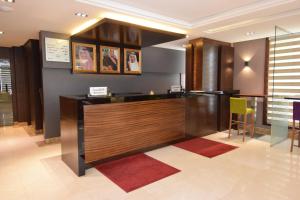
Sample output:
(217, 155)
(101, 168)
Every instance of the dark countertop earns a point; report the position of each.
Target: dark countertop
(123, 97)
(132, 97)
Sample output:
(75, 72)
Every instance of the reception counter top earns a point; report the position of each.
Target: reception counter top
(123, 97)
(98, 129)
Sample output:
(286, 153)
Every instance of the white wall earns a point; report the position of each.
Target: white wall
(249, 80)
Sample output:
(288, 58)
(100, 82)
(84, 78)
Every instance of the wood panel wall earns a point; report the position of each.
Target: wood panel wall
(32, 56)
(226, 65)
(198, 60)
(20, 79)
(117, 128)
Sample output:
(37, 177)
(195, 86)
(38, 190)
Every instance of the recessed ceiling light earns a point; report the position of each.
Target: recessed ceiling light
(250, 33)
(81, 14)
(1, 32)
(9, 1)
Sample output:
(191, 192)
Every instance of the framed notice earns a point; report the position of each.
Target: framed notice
(57, 50)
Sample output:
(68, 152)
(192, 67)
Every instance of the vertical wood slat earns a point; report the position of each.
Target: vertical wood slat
(117, 128)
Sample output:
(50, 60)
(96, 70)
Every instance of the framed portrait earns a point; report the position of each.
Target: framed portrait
(132, 61)
(109, 60)
(84, 58)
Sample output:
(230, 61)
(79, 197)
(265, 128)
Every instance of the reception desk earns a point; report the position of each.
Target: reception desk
(100, 129)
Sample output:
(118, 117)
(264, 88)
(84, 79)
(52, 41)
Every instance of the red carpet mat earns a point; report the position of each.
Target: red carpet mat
(205, 147)
(135, 171)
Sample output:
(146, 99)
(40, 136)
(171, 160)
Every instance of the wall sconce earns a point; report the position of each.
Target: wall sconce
(246, 64)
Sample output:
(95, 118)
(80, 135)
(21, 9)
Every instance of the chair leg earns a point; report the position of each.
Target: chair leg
(252, 124)
(293, 136)
(245, 126)
(238, 123)
(230, 124)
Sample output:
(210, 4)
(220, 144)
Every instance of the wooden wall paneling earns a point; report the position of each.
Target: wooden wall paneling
(198, 66)
(35, 83)
(117, 128)
(202, 115)
(226, 66)
(21, 84)
(189, 67)
(71, 135)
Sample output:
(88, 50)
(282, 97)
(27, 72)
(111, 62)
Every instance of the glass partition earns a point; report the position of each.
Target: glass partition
(6, 113)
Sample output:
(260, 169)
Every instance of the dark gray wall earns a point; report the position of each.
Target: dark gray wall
(161, 68)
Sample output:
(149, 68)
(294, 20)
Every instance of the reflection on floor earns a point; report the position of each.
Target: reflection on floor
(253, 171)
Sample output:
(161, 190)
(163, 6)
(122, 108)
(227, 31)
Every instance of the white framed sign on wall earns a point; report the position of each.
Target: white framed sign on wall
(57, 50)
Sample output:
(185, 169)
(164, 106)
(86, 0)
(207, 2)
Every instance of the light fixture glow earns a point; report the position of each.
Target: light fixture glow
(9, 1)
(142, 22)
(84, 26)
(1, 32)
(250, 33)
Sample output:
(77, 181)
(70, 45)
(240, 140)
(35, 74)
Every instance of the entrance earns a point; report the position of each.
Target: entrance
(6, 112)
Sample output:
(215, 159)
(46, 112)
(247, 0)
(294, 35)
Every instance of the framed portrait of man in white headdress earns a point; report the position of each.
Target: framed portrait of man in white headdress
(132, 61)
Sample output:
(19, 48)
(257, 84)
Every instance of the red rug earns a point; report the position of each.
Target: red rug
(205, 147)
(135, 171)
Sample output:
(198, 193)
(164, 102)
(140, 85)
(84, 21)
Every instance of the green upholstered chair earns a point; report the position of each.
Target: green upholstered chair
(238, 106)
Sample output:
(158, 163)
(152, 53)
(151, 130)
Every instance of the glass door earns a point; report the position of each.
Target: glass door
(6, 112)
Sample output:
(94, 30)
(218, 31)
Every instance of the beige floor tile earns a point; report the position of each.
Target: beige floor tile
(253, 171)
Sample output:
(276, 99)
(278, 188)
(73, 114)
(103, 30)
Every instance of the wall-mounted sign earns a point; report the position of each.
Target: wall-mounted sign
(57, 50)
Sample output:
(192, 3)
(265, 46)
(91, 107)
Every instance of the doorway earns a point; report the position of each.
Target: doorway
(6, 111)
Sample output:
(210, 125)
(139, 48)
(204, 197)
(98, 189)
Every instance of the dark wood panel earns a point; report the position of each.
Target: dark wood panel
(123, 33)
(189, 56)
(71, 137)
(226, 65)
(113, 129)
(35, 83)
(202, 115)
(198, 66)
(224, 112)
(205, 64)
(20, 80)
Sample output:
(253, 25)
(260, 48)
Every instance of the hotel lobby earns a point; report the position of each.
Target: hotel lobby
(127, 99)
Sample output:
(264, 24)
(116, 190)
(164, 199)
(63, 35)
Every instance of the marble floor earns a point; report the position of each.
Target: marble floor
(253, 171)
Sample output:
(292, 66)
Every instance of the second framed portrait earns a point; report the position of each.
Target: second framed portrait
(109, 60)
(132, 61)
(84, 58)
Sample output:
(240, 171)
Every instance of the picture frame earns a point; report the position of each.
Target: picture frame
(84, 58)
(132, 61)
(110, 60)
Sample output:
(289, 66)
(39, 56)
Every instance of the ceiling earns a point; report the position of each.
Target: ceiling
(226, 20)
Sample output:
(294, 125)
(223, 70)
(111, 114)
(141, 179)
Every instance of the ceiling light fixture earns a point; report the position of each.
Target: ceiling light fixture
(81, 14)
(9, 1)
(1, 32)
(250, 33)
